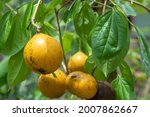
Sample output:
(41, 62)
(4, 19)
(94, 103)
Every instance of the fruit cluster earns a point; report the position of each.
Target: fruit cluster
(43, 54)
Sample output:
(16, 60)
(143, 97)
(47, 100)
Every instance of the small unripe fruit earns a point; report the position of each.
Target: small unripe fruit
(77, 62)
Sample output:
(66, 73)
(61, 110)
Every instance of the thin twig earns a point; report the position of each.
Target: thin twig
(65, 5)
(104, 7)
(64, 66)
(34, 15)
(139, 4)
(9, 7)
(102, 4)
(61, 42)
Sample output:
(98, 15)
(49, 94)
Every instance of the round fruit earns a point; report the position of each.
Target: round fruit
(52, 86)
(105, 92)
(81, 84)
(77, 61)
(43, 54)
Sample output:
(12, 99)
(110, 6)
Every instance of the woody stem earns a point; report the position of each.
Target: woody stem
(60, 38)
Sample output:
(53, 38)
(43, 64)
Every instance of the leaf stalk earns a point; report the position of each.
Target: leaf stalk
(34, 15)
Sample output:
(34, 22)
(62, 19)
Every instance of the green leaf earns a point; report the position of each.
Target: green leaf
(123, 90)
(5, 24)
(52, 5)
(27, 16)
(89, 67)
(17, 70)
(15, 41)
(74, 45)
(4, 70)
(89, 64)
(40, 16)
(111, 64)
(128, 10)
(72, 11)
(67, 41)
(124, 83)
(110, 40)
(144, 50)
(4, 66)
(84, 21)
(127, 74)
(84, 46)
(47, 28)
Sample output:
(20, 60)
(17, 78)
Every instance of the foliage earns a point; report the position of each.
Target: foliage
(101, 33)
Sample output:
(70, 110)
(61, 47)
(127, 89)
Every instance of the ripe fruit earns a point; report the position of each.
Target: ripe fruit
(81, 84)
(51, 86)
(43, 54)
(105, 92)
(77, 61)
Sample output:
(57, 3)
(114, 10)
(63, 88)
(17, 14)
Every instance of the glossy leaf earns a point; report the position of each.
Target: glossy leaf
(89, 64)
(52, 5)
(27, 16)
(72, 11)
(145, 53)
(108, 66)
(124, 83)
(5, 24)
(84, 21)
(15, 41)
(40, 16)
(17, 70)
(67, 41)
(128, 10)
(47, 28)
(3, 70)
(89, 67)
(127, 74)
(123, 90)
(110, 40)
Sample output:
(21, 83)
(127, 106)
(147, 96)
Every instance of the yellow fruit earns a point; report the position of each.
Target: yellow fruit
(77, 61)
(51, 86)
(43, 54)
(81, 84)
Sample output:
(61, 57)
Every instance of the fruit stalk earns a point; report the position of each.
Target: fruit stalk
(61, 42)
(34, 15)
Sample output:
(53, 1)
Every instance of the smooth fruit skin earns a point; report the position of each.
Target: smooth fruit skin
(81, 84)
(51, 86)
(77, 61)
(43, 54)
(105, 91)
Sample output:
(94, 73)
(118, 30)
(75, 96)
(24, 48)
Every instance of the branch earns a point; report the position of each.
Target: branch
(139, 4)
(34, 15)
(104, 7)
(102, 4)
(60, 38)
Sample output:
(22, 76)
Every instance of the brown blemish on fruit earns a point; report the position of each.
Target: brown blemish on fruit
(74, 76)
(32, 60)
(42, 71)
